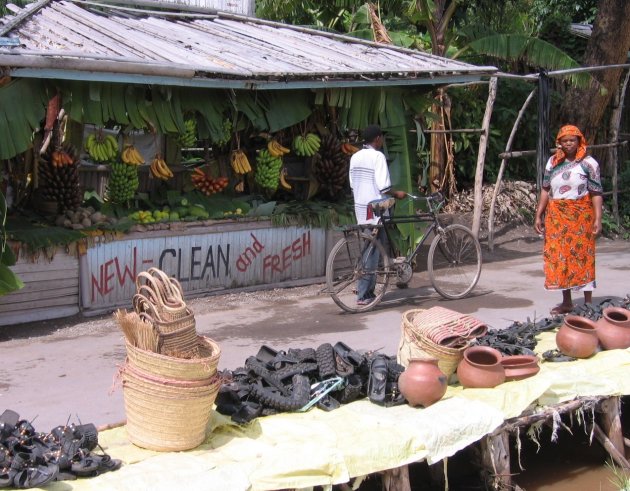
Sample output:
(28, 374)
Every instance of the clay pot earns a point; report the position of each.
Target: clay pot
(613, 328)
(577, 337)
(422, 383)
(481, 367)
(518, 367)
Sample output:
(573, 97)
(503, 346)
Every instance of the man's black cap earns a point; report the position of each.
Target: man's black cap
(370, 133)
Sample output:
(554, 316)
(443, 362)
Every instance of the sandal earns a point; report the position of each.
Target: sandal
(561, 309)
(377, 381)
(94, 464)
(35, 476)
(8, 423)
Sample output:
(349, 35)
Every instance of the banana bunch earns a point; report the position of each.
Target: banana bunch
(159, 169)
(206, 184)
(131, 156)
(283, 181)
(349, 148)
(60, 157)
(239, 162)
(101, 147)
(330, 167)
(240, 187)
(307, 145)
(267, 174)
(189, 137)
(59, 182)
(226, 135)
(123, 182)
(276, 149)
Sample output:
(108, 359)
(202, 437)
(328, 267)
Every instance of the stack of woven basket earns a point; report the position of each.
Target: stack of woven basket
(170, 379)
(438, 333)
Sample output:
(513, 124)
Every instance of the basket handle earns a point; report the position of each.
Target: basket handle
(171, 286)
(161, 298)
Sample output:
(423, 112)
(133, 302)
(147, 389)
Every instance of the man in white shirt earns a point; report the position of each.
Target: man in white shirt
(370, 181)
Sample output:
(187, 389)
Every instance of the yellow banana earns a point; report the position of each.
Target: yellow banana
(244, 162)
(283, 181)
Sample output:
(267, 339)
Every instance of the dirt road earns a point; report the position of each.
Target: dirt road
(67, 370)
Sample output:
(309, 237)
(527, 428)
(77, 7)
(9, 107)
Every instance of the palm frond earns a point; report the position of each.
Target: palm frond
(531, 50)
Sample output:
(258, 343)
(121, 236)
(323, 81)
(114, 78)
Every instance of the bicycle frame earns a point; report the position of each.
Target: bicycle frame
(387, 223)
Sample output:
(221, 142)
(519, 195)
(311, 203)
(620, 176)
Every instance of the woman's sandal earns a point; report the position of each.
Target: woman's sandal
(561, 309)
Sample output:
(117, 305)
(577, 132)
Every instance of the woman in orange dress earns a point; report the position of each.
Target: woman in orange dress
(571, 204)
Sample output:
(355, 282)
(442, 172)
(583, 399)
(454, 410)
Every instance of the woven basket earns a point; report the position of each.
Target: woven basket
(167, 415)
(448, 327)
(200, 368)
(415, 343)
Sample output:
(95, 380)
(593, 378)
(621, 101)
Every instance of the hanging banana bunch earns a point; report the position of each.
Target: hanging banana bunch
(306, 145)
(131, 156)
(188, 139)
(268, 170)
(239, 162)
(59, 173)
(123, 182)
(101, 147)
(159, 168)
(276, 149)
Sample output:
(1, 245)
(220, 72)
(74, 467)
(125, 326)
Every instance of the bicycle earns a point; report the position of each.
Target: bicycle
(453, 261)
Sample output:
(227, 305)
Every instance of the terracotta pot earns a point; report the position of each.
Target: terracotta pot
(518, 367)
(613, 328)
(422, 383)
(577, 337)
(481, 368)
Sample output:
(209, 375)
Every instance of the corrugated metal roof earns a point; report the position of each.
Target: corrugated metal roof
(99, 41)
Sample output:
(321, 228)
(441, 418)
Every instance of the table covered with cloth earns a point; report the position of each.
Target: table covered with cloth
(301, 450)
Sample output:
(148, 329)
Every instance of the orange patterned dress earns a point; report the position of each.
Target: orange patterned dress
(569, 248)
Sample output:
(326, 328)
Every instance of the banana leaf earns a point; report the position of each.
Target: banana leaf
(22, 107)
(286, 108)
(210, 107)
(117, 95)
(9, 281)
(254, 106)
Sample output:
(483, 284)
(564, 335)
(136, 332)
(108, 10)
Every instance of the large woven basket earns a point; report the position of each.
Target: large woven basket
(199, 368)
(448, 327)
(414, 343)
(167, 415)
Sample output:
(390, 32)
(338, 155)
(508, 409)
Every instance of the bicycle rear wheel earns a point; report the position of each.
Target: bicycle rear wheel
(454, 262)
(346, 265)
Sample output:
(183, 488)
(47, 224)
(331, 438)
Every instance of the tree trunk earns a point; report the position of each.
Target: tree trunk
(608, 45)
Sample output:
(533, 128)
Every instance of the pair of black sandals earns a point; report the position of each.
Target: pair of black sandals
(30, 459)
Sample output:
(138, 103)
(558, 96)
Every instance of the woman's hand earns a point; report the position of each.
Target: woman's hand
(597, 228)
(399, 194)
(539, 225)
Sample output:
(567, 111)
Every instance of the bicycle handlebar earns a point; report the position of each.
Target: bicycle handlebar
(436, 197)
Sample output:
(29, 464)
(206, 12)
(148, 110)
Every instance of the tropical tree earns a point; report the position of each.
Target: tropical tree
(608, 45)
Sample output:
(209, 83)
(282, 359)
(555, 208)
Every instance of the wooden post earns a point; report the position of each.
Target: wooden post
(436, 473)
(495, 456)
(611, 422)
(396, 479)
(481, 157)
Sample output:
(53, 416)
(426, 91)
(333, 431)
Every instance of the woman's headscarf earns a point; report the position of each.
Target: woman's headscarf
(569, 130)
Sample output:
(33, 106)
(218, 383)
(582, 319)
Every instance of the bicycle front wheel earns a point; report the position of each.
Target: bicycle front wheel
(454, 262)
(348, 263)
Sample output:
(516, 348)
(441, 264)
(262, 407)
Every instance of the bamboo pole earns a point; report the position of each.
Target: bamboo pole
(527, 153)
(497, 186)
(481, 157)
(610, 419)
